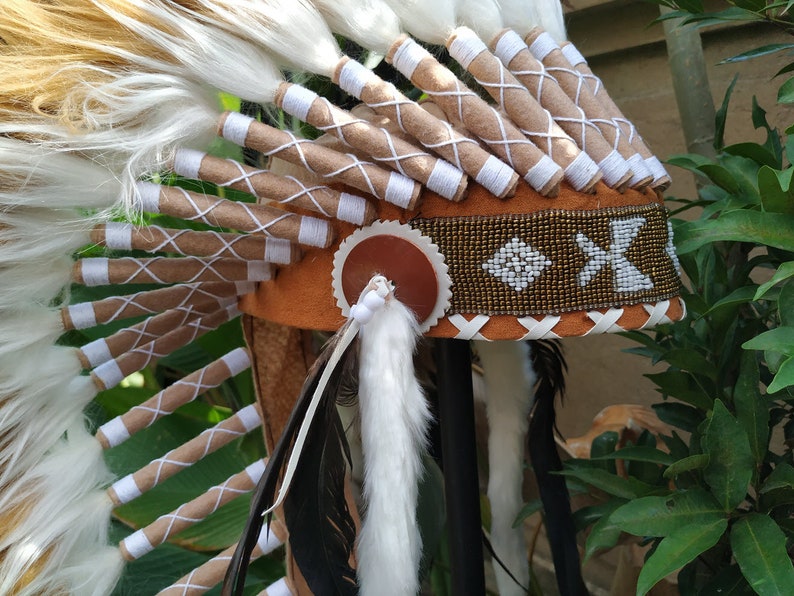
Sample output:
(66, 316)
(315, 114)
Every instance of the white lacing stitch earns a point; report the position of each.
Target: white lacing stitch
(245, 175)
(540, 329)
(657, 314)
(605, 322)
(306, 191)
(469, 329)
(93, 270)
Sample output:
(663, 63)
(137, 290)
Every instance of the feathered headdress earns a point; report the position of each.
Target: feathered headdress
(533, 214)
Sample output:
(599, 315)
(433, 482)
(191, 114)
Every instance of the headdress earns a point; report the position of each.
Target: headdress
(521, 206)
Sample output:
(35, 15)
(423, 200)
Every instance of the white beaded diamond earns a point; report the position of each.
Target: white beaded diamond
(517, 264)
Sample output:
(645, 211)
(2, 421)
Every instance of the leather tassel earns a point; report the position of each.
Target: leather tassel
(549, 364)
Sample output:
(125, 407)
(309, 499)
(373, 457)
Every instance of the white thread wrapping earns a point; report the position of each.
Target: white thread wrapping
(249, 418)
(82, 315)
(573, 55)
(278, 250)
(126, 490)
(268, 541)
(96, 352)
(118, 235)
(581, 171)
(656, 167)
(508, 46)
(109, 373)
(298, 101)
(466, 46)
(259, 270)
(114, 431)
(351, 208)
(237, 361)
(614, 167)
(543, 45)
(279, 588)
(408, 56)
(313, 232)
(150, 196)
(543, 171)
(353, 77)
(137, 544)
(495, 175)
(399, 190)
(235, 127)
(255, 470)
(244, 287)
(638, 167)
(187, 162)
(444, 179)
(95, 271)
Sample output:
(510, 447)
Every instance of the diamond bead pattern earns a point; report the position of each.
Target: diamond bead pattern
(517, 264)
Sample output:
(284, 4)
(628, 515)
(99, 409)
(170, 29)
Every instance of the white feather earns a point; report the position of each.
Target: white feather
(432, 22)
(482, 16)
(394, 418)
(370, 23)
(509, 382)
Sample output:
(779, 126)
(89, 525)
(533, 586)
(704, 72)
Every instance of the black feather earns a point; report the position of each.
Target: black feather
(340, 540)
(549, 364)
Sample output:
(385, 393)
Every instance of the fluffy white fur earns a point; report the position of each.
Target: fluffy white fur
(370, 23)
(482, 16)
(509, 382)
(394, 417)
(292, 29)
(430, 21)
(67, 519)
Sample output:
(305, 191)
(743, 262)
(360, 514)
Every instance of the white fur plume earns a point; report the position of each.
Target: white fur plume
(370, 23)
(482, 16)
(509, 382)
(432, 22)
(394, 418)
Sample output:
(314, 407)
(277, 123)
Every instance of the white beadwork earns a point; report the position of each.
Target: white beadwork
(627, 278)
(670, 248)
(516, 264)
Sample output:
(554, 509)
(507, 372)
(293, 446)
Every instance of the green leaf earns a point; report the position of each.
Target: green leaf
(688, 161)
(720, 176)
(759, 546)
(678, 549)
(639, 453)
(771, 229)
(721, 116)
(625, 488)
(785, 94)
(785, 304)
(682, 385)
(757, 52)
(692, 361)
(739, 296)
(604, 444)
(528, 510)
(781, 477)
(784, 376)
(780, 340)
(662, 516)
(776, 195)
(785, 271)
(679, 415)
(603, 535)
(730, 466)
(688, 464)
(751, 410)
